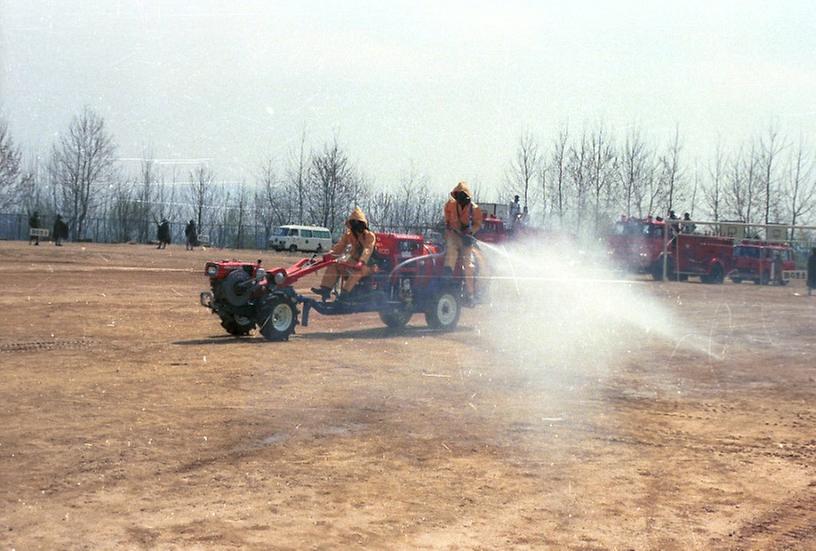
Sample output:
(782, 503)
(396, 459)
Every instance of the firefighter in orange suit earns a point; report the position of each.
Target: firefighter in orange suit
(463, 218)
(362, 242)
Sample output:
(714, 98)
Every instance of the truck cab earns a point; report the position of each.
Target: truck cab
(754, 261)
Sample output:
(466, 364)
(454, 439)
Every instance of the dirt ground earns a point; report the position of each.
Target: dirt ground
(129, 420)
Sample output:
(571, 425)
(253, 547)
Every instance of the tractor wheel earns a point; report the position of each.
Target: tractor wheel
(443, 313)
(234, 288)
(233, 327)
(396, 318)
(278, 318)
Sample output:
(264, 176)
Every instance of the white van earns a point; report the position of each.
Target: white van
(300, 238)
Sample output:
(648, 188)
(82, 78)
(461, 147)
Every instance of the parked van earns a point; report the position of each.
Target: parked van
(300, 238)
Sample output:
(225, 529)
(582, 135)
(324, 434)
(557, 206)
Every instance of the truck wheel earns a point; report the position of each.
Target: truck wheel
(396, 318)
(292, 248)
(736, 279)
(235, 328)
(278, 318)
(443, 313)
(657, 270)
(716, 276)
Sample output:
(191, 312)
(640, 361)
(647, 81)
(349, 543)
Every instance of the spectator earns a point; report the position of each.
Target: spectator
(34, 224)
(688, 226)
(60, 231)
(192, 236)
(777, 269)
(673, 221)
(163, 234)
(811, 271)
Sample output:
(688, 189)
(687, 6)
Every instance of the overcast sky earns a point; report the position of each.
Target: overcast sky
(445, 87)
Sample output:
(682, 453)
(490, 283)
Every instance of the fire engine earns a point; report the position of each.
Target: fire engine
(638, 246)
(754, 261)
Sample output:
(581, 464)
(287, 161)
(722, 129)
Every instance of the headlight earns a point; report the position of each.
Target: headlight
(279, 278)
(211, 270)
(260, 273)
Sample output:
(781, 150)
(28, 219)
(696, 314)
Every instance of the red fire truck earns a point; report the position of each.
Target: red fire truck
(754, 261)
(638, 246)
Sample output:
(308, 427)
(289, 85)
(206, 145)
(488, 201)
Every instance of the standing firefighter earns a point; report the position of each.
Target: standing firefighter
(811, 271)
(362, 242)
(463, 218)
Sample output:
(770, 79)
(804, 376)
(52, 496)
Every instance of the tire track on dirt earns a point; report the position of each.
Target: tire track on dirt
(789, 525)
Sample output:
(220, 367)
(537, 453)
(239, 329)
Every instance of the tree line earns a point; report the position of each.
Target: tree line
(576, 182)
(581, 181)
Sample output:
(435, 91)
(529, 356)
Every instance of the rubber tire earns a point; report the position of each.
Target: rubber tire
(717, 275)
(293, 248)
(432, 314)
(319, 248)
(270, 328)
(657, 270)
(736, 280)
(235, 328)
(396, 318)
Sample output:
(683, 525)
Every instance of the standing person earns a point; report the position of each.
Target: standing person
(192, 236)
(673, 221)
(811, 271)
(688, 226)
(34, 224)
(463, 218)
(515, 211)
(362, 242)
(777, 269)
(163, 234)
(60, 231)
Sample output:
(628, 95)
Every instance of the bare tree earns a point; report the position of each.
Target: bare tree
(10, 158)
(579, 174)
(716, 174)
(201, 192)
(771, 145)
(636, 170)
(331, 183)
(800, 186)
(297, 176)
(559, 168)
(740, 194)
(241, 203)
(83, 158)
(671, 174)
(124, 207)
(524, 167)
(143, 212)
(602, 168)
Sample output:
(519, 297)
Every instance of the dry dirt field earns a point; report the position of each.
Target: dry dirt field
(129, 420)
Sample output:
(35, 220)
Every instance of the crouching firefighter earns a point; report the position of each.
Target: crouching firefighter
(463, 218)
(362, 242)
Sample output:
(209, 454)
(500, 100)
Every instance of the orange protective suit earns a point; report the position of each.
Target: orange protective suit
(461, 221)
(362, 247)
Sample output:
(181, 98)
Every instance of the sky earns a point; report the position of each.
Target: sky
(443, 89)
